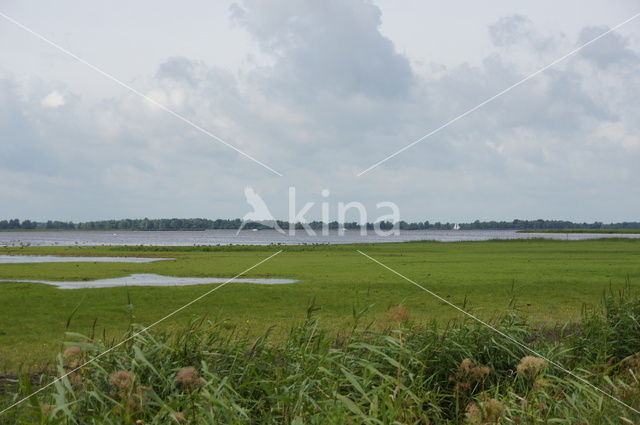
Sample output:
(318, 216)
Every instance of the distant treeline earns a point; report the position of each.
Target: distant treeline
(207, 224)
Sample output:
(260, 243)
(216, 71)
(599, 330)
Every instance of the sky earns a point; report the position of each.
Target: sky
(319, 91)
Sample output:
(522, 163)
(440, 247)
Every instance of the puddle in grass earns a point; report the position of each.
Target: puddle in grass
(152, 280)
(20, 259)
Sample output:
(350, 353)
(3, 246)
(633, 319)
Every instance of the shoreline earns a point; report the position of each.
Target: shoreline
(586, 231)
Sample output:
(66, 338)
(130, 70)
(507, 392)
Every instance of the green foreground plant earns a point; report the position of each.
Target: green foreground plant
(403, 373)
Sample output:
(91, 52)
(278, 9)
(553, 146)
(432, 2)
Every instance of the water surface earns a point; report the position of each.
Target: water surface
(152, 280)
(18, 259)
(268, 237)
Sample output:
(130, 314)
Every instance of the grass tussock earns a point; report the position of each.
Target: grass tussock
(404, 373)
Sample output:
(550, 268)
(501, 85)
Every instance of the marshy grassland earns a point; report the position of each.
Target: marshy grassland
(349, 343)
(549, 281)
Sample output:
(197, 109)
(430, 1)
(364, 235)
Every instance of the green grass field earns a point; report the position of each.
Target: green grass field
(548, 280)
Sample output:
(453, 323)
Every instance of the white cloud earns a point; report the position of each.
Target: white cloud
(53, 100)
(616, 134)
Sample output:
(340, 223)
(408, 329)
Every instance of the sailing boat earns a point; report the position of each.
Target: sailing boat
(456, 226)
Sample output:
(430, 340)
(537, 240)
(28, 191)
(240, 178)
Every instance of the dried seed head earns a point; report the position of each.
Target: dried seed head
(180, 417)
(479, 373)
(188, 377)
(121, 379)
(137, 398)
(465, 365)
(471, 372)
(474, 414)
(72, 352)
(493, 410)
(486, 412)
(72, 376)
(633, 364)
(540, 383)
(531, 366)
(398, 314)
(47, 408)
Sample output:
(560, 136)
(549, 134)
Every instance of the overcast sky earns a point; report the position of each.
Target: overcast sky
(319, 91)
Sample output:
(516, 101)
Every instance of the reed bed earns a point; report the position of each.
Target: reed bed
(399, 373)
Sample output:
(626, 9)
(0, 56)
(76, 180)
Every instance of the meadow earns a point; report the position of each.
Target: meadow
(548, 281)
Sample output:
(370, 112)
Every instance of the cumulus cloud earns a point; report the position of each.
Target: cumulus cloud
(612, 49)
(330, 46)
(510, 30)
(334, 97)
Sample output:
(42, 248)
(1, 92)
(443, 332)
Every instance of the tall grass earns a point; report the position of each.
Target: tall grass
(402, 373)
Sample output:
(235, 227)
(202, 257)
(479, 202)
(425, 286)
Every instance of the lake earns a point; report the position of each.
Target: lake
(267, 237)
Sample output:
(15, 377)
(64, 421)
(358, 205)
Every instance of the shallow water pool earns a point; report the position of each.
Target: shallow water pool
(152, 280)
(20, 259)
